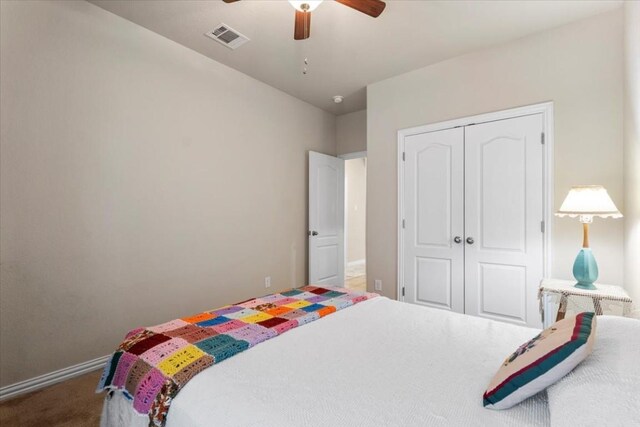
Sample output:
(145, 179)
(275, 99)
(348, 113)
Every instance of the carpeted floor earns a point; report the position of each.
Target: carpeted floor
(71, 403)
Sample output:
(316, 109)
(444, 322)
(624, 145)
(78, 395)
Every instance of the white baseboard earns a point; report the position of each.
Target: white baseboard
(45, 380)
(356, 262)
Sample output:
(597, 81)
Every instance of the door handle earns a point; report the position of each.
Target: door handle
(313, 233)
(470, 240)
(457, 239)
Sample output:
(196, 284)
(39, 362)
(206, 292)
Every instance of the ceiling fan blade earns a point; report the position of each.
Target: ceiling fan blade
(370, 7)
(302, 27)
(230, 1)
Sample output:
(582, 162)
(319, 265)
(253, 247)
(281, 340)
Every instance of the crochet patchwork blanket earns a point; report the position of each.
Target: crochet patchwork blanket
(152, 364)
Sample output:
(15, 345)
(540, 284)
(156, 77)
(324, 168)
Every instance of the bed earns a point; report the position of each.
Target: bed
(378, 363)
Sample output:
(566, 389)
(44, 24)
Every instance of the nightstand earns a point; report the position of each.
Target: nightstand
(605, 299)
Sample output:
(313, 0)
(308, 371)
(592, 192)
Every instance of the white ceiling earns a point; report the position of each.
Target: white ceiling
(347, 49)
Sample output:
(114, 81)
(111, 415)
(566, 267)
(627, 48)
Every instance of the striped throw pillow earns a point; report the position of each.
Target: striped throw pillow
(542, 361)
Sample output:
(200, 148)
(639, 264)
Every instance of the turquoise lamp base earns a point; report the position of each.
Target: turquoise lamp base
(585, 269)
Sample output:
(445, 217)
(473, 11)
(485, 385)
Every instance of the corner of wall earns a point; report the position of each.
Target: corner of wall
(351, 132)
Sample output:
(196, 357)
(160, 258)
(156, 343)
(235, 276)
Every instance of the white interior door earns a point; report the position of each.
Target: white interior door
(326, 220)
(434, 219)
(503, 218)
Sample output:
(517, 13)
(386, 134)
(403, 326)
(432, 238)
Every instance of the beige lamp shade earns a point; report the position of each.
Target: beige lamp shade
(587, 201)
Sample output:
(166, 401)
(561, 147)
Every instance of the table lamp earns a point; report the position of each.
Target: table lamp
(585, 202)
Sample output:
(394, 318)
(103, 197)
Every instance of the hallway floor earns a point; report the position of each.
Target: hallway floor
(356, 276)
(358, 283)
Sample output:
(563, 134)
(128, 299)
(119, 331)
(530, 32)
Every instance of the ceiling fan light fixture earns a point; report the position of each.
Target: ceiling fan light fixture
(305, 5)
(302, 23)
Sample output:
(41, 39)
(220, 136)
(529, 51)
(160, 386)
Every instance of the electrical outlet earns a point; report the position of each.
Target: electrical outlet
(377, 284)
(267, 282)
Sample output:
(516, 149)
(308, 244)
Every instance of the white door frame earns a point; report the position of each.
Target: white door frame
(356, 155)
(546, 109)
(349, 156)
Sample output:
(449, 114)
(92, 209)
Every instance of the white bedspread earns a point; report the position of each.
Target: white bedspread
(604, 390)
(379, 363)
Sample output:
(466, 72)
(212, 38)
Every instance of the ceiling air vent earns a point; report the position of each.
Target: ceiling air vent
(227, 36)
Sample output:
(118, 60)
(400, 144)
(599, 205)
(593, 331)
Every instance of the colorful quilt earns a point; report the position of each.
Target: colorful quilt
(152, 364)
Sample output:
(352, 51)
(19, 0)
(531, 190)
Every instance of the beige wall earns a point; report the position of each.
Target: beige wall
(130, 192)
(578, 67)
(351, 132)
(356, 203)
(632, 150)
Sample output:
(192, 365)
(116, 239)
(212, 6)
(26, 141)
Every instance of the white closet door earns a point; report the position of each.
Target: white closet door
(503, 215)
(434, 216)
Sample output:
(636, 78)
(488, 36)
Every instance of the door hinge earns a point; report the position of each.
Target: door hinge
(542, 226)
(403, 157)
(542, 138)
(403, 291)
(403, 224)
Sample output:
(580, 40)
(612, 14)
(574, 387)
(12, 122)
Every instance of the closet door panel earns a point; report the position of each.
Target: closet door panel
(503, 213)
(433, 281)
(433, 209)
(502, 205)
(433, 206)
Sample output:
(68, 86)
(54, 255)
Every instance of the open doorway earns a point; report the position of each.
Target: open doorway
(355, 221)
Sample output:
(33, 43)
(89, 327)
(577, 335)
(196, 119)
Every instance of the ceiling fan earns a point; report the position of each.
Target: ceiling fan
(304, 8)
